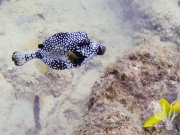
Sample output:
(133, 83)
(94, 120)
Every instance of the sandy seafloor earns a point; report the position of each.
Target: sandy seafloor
(63, 94)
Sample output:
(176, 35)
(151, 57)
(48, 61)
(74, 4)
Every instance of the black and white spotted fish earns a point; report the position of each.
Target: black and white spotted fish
(63, 51)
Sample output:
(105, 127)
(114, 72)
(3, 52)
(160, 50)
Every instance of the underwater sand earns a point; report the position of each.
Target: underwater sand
(63, 94)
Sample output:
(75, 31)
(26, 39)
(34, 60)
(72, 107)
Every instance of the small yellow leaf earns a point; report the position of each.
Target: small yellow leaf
(154, 119)
(165, 106)
(176, 106)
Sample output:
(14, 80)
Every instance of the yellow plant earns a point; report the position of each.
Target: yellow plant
(168, 111)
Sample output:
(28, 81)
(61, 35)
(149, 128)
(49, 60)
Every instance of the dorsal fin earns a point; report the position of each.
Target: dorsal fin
(40, 46)
(33, 45)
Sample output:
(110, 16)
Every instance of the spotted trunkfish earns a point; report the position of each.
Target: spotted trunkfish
(62, 51)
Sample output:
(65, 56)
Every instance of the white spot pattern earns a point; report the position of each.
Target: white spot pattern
(55, 49)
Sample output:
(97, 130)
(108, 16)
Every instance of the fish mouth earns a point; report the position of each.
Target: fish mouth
(102, 50)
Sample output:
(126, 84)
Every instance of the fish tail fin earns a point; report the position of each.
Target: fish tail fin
(19, 58)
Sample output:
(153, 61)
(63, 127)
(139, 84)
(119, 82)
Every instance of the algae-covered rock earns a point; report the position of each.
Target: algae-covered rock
(120, 101)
